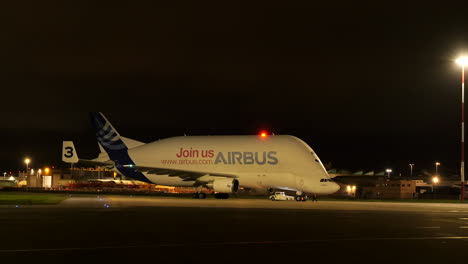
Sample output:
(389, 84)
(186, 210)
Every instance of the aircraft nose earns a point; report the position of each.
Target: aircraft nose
(335, 187)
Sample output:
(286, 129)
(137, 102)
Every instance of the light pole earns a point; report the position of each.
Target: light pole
(388, 171)
(437, 164)
(435, 180)
(462, 61)
(39, 174)
(27, 161)
(411, 169)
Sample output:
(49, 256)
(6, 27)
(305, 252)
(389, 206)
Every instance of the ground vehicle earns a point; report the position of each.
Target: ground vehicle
(301, 198)
(281, 196)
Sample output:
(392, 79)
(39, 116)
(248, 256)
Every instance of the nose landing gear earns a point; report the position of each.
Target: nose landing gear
(271, 191)
(301, 197)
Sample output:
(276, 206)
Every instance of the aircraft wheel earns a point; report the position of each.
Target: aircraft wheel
(201, 196)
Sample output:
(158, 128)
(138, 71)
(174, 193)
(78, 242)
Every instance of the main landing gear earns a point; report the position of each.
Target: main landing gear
(199, 195)
(217, 195)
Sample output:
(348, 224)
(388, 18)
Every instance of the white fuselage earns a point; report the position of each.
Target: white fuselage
(283, 162)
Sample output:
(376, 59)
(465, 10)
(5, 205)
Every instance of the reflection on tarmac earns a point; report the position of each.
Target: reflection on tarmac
(138, 201)
(128, 229)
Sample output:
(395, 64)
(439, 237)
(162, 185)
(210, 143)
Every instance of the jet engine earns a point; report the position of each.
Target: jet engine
(225, 185)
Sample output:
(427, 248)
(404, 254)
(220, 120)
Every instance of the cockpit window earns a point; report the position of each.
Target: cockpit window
(325, 180)
(318, 161)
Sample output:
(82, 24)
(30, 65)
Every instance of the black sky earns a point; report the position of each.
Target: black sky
(367, 84)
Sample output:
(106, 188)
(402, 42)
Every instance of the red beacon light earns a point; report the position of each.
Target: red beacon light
(263, 134)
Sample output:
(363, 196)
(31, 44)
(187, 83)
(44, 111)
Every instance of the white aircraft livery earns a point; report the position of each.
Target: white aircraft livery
(221, 163)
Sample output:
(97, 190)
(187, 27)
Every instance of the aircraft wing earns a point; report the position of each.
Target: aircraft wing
(186, 175)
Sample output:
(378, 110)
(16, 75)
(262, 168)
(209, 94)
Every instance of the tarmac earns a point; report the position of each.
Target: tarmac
(126, 229)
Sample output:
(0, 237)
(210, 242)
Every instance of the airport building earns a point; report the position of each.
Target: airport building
(57, 178)
(380, 189)
(373, 185)
(85, 179)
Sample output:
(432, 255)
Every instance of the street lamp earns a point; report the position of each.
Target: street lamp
(435, 180)
(462, 61)
(437, 164)
(388, 171)
(38, 177)
(27, 161)
(411, 169)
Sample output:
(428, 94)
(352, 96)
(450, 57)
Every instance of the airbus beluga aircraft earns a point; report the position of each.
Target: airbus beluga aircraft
(221, 163)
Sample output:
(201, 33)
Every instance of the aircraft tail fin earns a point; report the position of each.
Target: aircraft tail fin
(116, 146)
(131, 143)
(108, 137)
(69, 154)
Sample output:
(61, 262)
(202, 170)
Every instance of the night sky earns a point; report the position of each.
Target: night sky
(367, 85)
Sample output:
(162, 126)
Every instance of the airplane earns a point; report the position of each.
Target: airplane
(221, 163)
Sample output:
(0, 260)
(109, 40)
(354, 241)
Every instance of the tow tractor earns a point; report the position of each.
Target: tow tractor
(281, 196)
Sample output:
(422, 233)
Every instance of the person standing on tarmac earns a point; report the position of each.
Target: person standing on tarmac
(314, 197)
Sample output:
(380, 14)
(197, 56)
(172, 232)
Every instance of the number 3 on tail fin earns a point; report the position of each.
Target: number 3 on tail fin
(69, 153)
